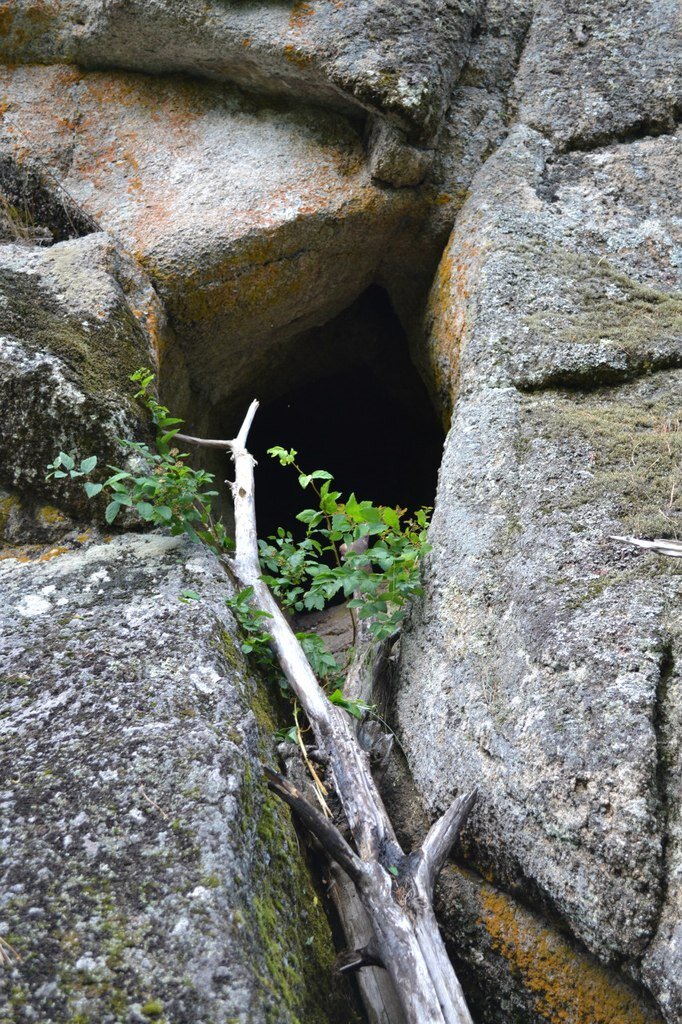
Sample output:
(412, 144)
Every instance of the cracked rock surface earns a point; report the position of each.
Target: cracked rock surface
(201, 186)
(76, 319)
(253, 223)
(145, 872)
(397, 60)
(548, 655)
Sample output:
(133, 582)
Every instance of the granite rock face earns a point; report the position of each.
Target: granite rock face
(204, 187)
(146, 873)
(243, 216)
(76, 319)
(546, 654)
(394, 60)
(592, 73)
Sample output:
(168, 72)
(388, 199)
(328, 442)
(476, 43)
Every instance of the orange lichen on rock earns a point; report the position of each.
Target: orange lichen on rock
(567, 986)
(447, 322)
(6, 18)
(18, 554)
(296, 56)
(48, 515)
(51, 553)
(22, 27)
(301, 12)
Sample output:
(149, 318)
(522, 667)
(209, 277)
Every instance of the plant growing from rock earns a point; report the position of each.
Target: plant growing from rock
(378, 574)
(164, 489)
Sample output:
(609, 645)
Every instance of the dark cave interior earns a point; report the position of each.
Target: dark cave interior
(361, 412)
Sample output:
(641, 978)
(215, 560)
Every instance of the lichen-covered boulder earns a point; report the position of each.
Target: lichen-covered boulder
(517, 962)
(76, 319)
(547, 654)
(146, 873)
(254, 222)
(474, 124)
(398, 60)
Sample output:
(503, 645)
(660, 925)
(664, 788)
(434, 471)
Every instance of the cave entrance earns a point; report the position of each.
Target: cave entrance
(356, 407)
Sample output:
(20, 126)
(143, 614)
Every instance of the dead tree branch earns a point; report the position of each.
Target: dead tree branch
(406, 938)
(671, 548)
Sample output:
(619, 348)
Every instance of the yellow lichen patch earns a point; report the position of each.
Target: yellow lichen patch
(6, 17)
(21, 28)
(51, 553)
(296, 56)
(17, 554)
(32, 553)
(48, 515)
(6, 505)
(154, 324)
(567, 986)
(447, 317)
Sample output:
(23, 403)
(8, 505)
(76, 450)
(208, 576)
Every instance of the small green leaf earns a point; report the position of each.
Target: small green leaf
(66, 460)
(92, 489)
(391, 518)
(164, 513)
(111, 511)
(87, 465)
(285, 457)
(189, 595)
(146, 510)
(393, 870)
(309, 515)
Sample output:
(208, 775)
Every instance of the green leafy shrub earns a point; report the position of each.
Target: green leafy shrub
(368, 554)
(165, 490)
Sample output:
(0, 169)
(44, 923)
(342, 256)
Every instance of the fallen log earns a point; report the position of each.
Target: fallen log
(395, 889)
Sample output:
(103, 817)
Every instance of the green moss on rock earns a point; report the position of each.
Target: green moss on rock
(633, 438)
(606, 304)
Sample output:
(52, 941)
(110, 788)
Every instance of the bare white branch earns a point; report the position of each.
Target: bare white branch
(407, 939)
(671, 548)
(203, 442)
(441, 838)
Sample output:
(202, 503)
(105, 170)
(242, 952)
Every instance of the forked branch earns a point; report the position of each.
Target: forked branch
(323, 830)
(406, 936)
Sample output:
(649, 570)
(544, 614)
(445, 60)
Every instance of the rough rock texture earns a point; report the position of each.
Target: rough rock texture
(474, 125)
(544, 652)
(76, 319)
(515, 964)
(395, 59)
(146, 875)
(596, 72)
(253, 223)
(542, 665)
(518, 963)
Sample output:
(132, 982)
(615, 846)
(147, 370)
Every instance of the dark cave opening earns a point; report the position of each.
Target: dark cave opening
(361, 412)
